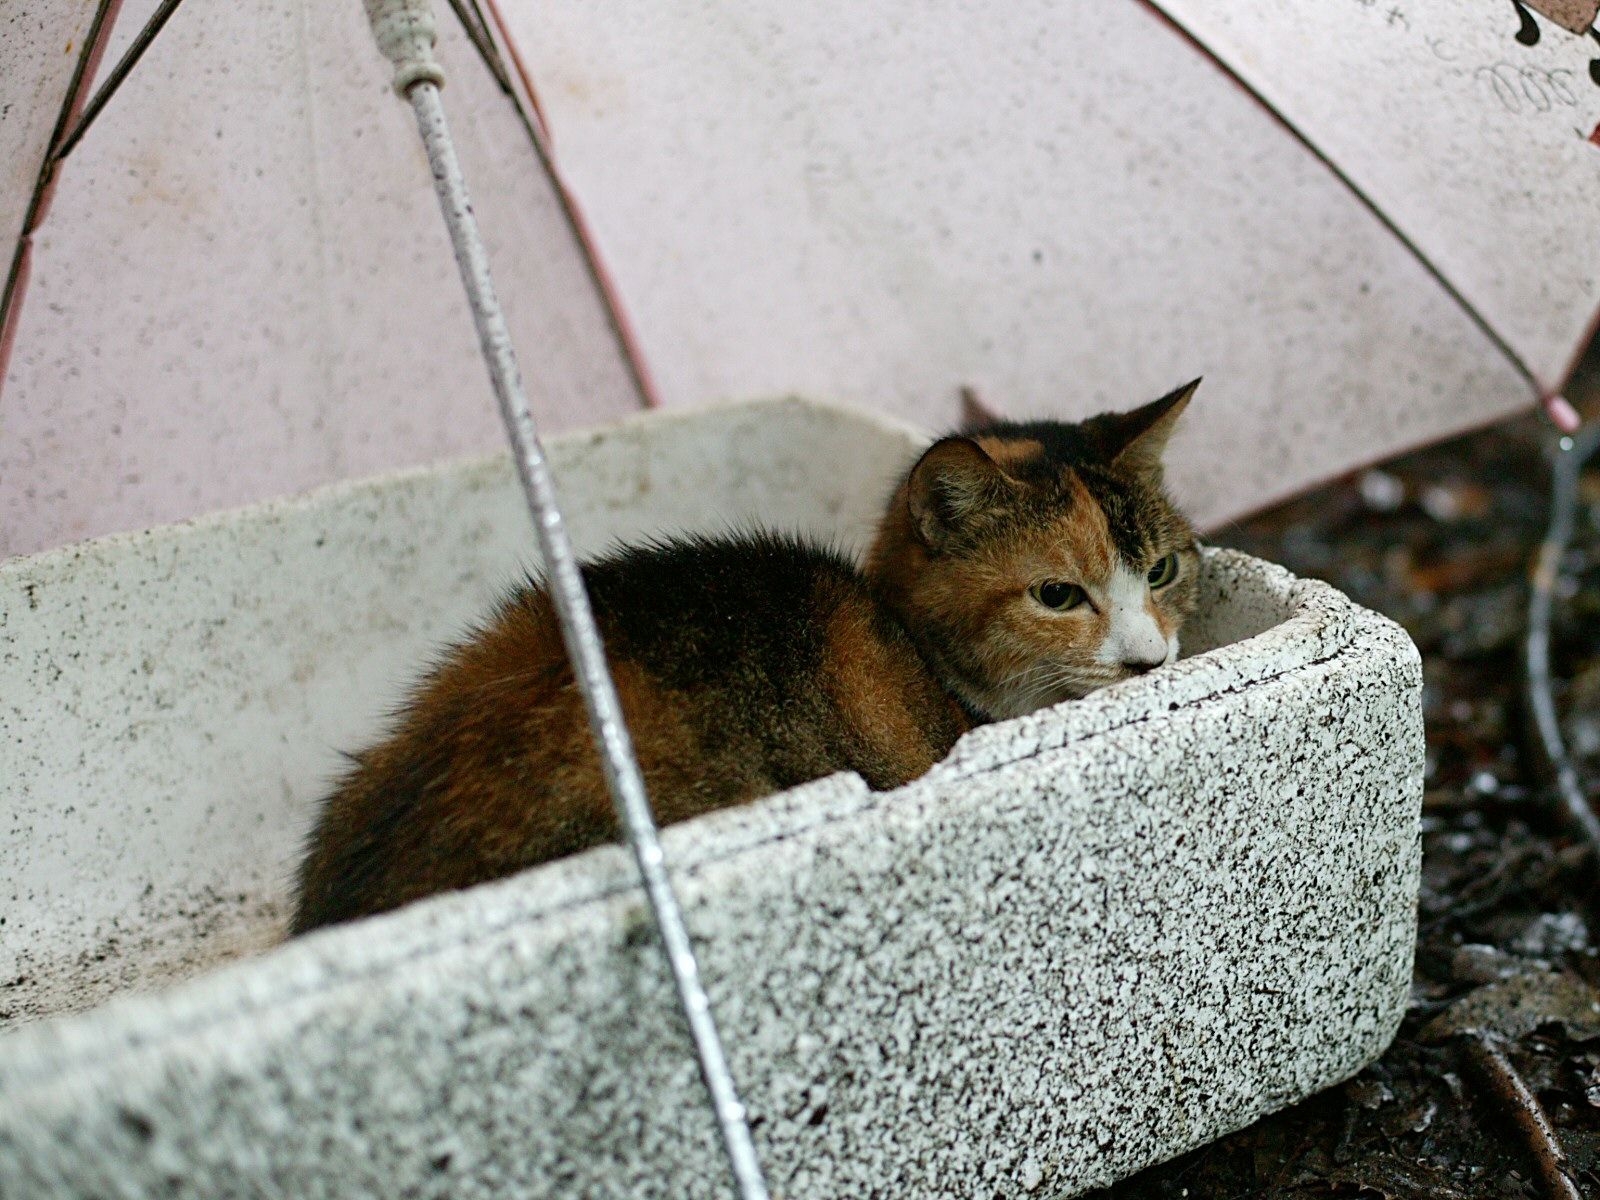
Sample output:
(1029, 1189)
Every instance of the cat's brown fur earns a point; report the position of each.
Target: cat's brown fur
(744, 666)
(748, 664)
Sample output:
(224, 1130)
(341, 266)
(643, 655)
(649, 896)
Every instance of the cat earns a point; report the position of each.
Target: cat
(1017, 565)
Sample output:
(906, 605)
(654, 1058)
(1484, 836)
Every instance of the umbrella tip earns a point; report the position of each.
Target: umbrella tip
(1561, 413)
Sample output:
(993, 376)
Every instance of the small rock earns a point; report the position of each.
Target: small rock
(1368, 1093)
(1478, 963)
(1550, 934)
(1381, 491)
(1583, 734)
(1446, 502)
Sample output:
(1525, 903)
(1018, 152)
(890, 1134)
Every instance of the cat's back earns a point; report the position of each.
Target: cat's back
(781, 648)
(745, 664)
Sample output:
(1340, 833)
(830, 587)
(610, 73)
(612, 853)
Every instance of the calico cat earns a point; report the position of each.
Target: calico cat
(1017, 565)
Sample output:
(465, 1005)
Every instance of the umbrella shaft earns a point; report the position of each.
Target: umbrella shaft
(582, 637)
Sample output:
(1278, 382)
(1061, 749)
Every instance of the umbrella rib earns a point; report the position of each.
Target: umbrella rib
(476, 26)
(538, 131)
(539, 120)
(118, 75)
(94, 44)
(1471, 310)
(1546, 393)
(477, 30)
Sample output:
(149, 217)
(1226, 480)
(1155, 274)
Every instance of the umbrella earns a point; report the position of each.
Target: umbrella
(865, 207)
(238, 287)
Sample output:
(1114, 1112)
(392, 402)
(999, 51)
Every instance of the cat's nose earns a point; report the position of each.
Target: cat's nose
(1141, 666)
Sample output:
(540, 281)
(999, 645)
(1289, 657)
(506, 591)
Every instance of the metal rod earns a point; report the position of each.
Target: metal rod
(1571, 456)
(582, 637)
(119, 73)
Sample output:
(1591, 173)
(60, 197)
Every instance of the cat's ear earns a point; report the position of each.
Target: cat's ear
(975, 414)
(1137, 439)
(952, 483)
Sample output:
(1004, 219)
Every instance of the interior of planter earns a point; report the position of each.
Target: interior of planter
(176, 700)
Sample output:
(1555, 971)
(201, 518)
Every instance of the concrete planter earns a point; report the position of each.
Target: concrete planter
(1090, 939)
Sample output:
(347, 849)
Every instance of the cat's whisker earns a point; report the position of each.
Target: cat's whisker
(1023, 672)
(1062, 675)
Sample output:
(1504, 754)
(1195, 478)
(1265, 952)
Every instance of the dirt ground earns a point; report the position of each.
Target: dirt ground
(1506, 962)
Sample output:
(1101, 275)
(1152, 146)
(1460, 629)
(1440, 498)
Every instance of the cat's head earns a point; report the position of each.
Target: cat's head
(1034, 562)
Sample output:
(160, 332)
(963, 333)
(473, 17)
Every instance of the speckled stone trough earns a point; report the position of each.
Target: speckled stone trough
(1091, 939)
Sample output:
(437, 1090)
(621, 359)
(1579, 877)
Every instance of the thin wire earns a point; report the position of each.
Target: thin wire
(119, 73)
(477, 31)
(537, 114)
(538, 130)
(1571, 456)
(476, 27)
(483, 24)
(582, 638)
(94, 41)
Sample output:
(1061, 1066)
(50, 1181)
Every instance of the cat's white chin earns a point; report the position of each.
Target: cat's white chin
(1004, 708)
(1006, 703)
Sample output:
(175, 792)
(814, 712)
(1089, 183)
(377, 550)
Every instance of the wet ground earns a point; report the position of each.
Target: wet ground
(1507, 973)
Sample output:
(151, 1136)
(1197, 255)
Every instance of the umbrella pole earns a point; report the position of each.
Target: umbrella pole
(405, 34)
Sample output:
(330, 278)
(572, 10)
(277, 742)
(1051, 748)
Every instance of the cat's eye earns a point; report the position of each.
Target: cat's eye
(1059, 596)
(1164, 572)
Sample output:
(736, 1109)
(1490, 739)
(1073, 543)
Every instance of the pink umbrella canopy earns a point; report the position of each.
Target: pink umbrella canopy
(234, 283)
